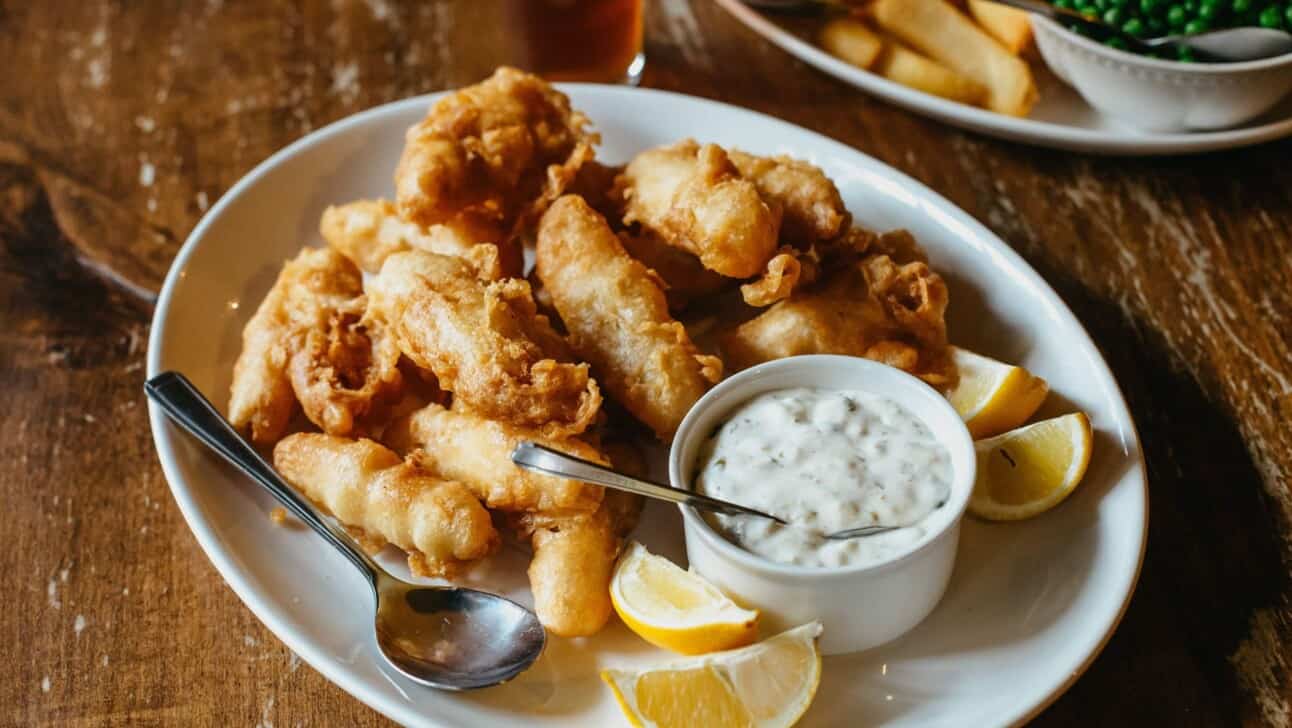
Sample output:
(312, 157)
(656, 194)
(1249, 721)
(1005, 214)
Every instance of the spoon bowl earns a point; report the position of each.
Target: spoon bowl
(449, 638)
(454, 639)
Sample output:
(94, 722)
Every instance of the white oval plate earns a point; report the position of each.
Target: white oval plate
(1030, 603)
(1061, 119)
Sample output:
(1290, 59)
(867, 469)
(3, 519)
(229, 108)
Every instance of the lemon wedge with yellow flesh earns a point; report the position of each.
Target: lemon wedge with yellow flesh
(1032, 469)
(992, 396)
(676, 609)
(765, 685)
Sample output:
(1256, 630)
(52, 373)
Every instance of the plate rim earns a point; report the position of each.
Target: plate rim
(1021, 130)
(164, 434)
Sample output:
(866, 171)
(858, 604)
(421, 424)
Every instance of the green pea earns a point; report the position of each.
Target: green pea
(1240, 6)
(1134, 27)
(1194, 27)
(1113, 17)
(1156, 27)
(1208, 12)
(1150, 7)
(1287, 15)
(1271, 18)
(1115, 42)
(1185, 55)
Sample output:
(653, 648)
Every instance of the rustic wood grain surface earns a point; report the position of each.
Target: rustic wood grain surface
(122, 122)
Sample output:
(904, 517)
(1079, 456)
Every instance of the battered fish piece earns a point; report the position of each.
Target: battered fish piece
(485, 342)
(477, 452)
(307, 340)
(439, 523)
(617, 317)
(502, 148)
(696, 199)
(574, 560)
(369, 231)
(813, 209)
(874, 308)
(343, 367)
(685, 277)
(788, 270)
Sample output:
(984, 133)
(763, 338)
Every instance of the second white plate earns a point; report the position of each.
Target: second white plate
(1061, 119)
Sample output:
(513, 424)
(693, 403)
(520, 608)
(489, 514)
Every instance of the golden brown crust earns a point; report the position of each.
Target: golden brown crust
(500, 148)
(369, 231)
(574, 560)
(694, 198)
(485, 342)
(368, 487)
(873, 307)
(617, 317)
(812, 207)
(477, 452)
(308, 296)
(685, 277)
(787, 271)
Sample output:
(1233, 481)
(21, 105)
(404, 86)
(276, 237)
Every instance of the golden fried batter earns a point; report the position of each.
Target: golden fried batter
(502, 148)
(477, 451)
(369, 231)
(368, 487)
(574, 559)
(788, 270)
(685, 277)
(617, 317)
(813, 209)
(306, 335)
(874, 308)
(696, 199)
(340, 369)
(485, 342)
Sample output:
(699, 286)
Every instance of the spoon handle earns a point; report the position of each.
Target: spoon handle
(533, 456)
(185, 405)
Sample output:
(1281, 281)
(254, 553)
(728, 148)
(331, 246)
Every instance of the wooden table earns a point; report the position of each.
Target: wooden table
(121, 123)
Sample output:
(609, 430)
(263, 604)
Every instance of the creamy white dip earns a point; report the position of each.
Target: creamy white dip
(825, 460)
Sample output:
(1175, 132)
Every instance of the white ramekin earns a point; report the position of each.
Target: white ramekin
(860, 607)
(1158, 95)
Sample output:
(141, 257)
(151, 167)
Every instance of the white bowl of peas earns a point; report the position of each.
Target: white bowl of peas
(1170, 92)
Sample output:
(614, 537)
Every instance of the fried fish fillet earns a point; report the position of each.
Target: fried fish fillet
(502, 148)
(343, 367)
(369, 231)
(617, 317)
(477, 452)
(697, 200)
(439, 523)
(574, 559)
(309, 340)
(685, 277)
(874, 307)
(812, 207)
(485, 342)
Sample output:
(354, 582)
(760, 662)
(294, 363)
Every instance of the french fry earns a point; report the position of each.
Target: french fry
(1008, 25)
(946, 35)
(851, 41)
(905, 66)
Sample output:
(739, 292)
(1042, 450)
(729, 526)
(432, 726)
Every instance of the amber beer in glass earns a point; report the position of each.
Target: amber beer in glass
(579, 40)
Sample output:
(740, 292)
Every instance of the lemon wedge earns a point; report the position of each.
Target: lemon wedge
(675, 609)
(1032, 469)
(765, 685)
(992, 396)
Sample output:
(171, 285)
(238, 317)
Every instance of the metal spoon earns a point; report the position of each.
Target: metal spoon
(1229, 44)
(445, 637)
(535, 457)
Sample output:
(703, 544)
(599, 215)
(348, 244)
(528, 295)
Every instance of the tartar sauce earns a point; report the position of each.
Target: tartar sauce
(825, 460)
